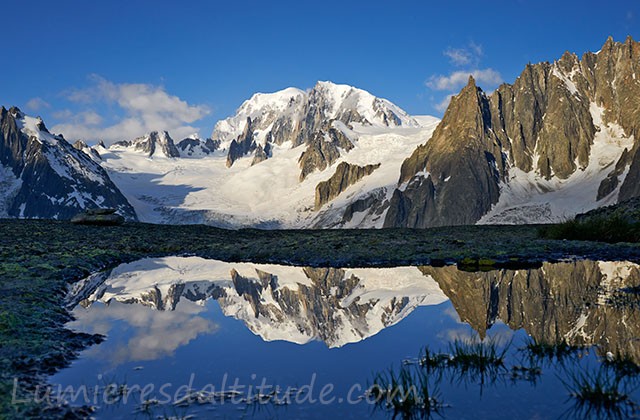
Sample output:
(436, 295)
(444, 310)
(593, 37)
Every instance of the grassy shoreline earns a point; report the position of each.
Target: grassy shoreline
(39, 258)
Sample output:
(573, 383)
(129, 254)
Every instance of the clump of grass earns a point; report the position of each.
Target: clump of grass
(526, 373)
(431, 361)
(476, 354)
(477, 361)
(541, 351)
(407, 393)
(599, 394)
(604, 228)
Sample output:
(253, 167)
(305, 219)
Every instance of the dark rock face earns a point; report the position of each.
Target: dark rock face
(563, 301)
(194, 147)
(242, 145)
(262, 154)
(346, 174)
(611, 182)
(150, 143)
(543, 123)
(373, 203)
(56, 180)
(323, 150)
(454, 178)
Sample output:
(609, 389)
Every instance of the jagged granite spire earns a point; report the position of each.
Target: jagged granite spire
(544, 123)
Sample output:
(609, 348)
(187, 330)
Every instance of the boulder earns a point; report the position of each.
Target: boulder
(101, 217)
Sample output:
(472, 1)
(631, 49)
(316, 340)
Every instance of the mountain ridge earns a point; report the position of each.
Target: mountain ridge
(559, 140)
(525, 141)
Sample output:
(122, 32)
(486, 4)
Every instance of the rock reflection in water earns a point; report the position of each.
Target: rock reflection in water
(581, 303)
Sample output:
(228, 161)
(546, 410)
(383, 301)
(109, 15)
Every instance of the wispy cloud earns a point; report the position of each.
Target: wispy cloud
(141, 108)
(465, 62)
(459, 78)
(37, 104)
(467, 56)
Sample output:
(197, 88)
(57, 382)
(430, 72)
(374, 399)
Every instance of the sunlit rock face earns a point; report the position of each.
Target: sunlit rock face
(568, 125)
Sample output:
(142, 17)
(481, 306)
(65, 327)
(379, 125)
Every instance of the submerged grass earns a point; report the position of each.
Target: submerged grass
(408, 393)
(477, 362)
(539, 352)
(599, 394)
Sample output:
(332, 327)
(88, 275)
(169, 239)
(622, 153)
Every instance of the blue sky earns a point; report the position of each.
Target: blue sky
(114, 69)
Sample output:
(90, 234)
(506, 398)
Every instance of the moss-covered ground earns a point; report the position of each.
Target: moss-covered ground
(38, 259)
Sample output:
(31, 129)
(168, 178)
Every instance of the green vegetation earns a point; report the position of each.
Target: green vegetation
(603, 391)
(604, 228)
(479, 362)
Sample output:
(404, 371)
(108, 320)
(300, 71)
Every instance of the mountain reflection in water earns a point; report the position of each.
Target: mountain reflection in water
(159, 313)
(582, 302)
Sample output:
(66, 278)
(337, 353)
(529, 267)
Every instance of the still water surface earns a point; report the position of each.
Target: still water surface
(192, 337)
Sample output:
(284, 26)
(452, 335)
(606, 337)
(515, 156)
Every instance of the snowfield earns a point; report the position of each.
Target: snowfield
(269, 194)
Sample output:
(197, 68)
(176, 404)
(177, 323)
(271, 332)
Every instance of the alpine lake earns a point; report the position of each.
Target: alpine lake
(192, 337)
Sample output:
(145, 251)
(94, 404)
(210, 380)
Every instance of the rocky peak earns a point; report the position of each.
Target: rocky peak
(151, 144)
(242, 145)
(295, 116)
(53, 179)
(545, 123)
(454, 178)
(196, 147)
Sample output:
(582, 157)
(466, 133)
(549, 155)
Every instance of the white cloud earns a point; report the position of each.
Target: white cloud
(144, 108)
(65, 114)
(476, 48)
(468, 56)
(143, 333)
(466, 62)
(459, 78)
(458, 56)
(36, 104)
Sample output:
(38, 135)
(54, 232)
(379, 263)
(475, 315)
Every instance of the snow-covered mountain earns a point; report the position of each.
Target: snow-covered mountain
(558, 141)
(43, 176)
(296, 304)
(328, 157)
(292, 114)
